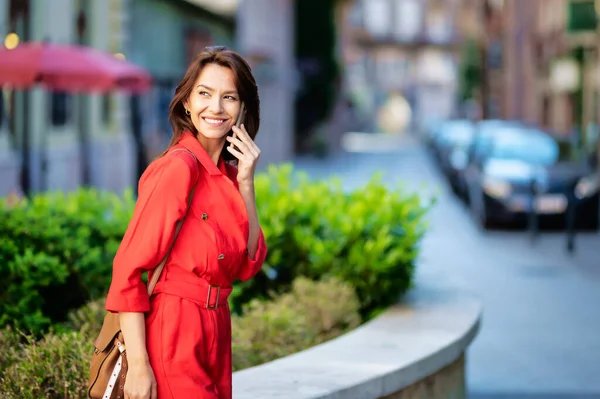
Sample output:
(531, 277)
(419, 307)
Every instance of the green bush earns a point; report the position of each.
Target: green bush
(56, 251)
(368, 238)
(56, 366)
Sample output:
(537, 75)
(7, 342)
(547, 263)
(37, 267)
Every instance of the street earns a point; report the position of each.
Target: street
(540, 334)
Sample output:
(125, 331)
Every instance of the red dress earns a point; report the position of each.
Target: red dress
(188, 324)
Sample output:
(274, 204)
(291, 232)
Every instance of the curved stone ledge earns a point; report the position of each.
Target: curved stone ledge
(415, 349)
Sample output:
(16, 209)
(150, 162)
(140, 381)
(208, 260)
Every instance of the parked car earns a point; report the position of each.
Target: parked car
(517, 161)
(449, 134)
(464, 156)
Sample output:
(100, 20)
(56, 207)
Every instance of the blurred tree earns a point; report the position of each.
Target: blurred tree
(469, 69)
(317, 64)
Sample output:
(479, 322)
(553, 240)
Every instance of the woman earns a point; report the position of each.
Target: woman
(179, 340)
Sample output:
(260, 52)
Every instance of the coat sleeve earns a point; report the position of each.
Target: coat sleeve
(252, 265)
(162, 201)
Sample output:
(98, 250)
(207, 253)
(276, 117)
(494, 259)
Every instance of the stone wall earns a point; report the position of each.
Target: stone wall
(447, 383)
(413, 350)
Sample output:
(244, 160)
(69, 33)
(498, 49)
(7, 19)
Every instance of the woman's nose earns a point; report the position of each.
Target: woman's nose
(215, 106)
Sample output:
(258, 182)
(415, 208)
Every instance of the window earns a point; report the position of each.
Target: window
(60, 104)
(378, 17)
(409, 19)
(529, 145)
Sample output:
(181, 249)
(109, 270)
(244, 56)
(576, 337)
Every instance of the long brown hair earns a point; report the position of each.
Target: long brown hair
(244, 82)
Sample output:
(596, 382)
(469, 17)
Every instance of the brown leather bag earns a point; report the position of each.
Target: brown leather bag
(108, 367)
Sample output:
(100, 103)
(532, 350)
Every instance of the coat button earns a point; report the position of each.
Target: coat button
(222, 256)
(204, 216)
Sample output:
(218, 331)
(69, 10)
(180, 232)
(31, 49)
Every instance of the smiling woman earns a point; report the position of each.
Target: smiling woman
(213, 109)
(214, 86)
(200, 253)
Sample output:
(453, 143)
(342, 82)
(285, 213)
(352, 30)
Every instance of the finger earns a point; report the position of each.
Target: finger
(240, 145)
(243, 135)
(235, 153)
(251, 141)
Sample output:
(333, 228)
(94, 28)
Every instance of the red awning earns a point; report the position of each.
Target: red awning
(70, 68)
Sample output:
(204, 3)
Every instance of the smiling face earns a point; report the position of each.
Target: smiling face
(214, 102)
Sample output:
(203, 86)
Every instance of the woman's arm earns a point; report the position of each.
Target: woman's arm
(140, 382)
(248, 156)
(133, 327)
(162, 201)
(249, 196)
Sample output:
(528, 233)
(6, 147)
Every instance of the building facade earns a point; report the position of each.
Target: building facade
(407, 48)
(547, 67)
(9, 160)
(165, 46)
(59, 141)
(261, 30)
(265, 36)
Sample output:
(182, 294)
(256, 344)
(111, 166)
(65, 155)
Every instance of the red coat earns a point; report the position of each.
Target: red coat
(188, 332)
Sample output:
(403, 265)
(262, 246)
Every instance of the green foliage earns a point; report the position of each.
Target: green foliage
(368, 238)
(56, 366)
(56, 253)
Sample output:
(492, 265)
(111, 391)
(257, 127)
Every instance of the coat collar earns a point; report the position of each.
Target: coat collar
(190, 142)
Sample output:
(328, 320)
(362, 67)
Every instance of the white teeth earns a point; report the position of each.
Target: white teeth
(214, 121)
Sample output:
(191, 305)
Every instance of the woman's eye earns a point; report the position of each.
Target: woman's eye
(231, 98)
(203, 93)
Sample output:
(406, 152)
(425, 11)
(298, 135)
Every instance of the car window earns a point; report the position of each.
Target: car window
(526, 145)
(485, 132)
(457, 133)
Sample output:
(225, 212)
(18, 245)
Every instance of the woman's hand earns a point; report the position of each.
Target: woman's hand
(247, 154)
(140, 382)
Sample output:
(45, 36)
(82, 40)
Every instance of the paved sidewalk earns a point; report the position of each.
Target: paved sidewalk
(540, 335)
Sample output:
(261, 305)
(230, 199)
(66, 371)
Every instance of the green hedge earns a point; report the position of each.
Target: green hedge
(56, 366)
(368, 237)
(56, 253)
(56, 250)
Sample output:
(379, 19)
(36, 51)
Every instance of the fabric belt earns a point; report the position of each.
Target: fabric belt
(199, 291)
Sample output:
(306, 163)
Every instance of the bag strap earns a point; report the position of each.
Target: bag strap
(161, 266)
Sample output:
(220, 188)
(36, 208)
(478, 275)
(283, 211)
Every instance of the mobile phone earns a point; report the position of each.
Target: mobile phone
(241, 115)
(239, 121)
